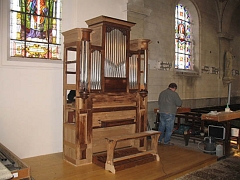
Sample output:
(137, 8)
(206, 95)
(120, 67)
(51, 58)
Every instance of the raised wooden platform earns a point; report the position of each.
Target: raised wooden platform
(100, 159)
(174, 162)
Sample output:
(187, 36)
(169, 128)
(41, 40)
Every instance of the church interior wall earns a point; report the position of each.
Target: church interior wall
(31, 106)
(196, 90)
(31, 92)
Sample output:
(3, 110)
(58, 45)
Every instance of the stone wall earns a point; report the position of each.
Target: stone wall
(216, 28)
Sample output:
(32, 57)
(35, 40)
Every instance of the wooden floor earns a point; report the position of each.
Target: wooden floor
(174, 162)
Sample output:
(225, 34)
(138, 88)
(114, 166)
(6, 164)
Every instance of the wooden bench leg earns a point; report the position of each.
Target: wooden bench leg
(109, 165)
(154, 145)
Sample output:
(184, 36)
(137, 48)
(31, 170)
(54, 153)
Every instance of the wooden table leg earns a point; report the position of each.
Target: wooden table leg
(202, 126)
(227, 139)
(186, 138)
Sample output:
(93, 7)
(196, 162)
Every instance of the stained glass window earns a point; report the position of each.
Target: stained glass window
(35, 29)
(183, 39)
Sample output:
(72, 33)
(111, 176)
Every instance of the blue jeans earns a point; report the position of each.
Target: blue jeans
(166, 125)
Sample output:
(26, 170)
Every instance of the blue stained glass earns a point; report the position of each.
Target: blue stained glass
(183, 45)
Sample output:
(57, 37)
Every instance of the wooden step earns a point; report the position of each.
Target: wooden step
(100, 159)
(117, 122)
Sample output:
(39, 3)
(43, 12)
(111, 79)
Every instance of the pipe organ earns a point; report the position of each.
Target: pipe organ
(108, 72)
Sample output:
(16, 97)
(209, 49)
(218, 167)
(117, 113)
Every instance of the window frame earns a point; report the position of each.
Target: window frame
(191, 7)
(6, 59)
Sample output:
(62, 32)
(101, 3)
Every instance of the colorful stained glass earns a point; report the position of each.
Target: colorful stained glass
(183, 44)
(35, 29)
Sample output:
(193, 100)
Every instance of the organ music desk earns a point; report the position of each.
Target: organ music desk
(223, 117)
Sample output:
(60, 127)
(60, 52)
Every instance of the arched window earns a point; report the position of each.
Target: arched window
(35, 29)
(183, 38)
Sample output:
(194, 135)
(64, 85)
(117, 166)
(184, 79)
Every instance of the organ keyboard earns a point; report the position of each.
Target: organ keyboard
(11, 166)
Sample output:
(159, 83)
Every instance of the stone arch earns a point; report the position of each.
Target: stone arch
(230, 7)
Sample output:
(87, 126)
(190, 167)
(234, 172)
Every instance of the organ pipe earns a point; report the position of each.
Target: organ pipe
(84, 63)
(84, 66)
(115, 54)
(95, 82)
(145, 68)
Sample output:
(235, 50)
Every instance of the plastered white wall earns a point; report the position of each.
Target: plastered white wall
(31, 92)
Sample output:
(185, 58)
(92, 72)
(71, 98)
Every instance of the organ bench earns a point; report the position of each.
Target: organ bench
(112, 142)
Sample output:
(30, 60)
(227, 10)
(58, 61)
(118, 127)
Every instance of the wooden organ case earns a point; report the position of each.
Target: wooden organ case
(108, 71)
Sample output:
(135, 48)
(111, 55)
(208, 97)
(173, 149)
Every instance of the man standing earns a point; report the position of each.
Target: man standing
(168, 102)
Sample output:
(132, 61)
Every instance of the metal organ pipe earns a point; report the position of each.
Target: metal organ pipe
(106, 54)
(84, 65)
(115, 54)
(118, 51)
(145, 68)
(121, 54)
(95, 70)
(112, 53)
(115, 60)
(99, 70)
(124, 55)
(133, 72)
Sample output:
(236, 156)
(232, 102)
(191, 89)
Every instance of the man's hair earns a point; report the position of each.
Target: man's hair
(172, 85)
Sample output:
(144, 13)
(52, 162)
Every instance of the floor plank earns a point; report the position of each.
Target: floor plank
(174, 162)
